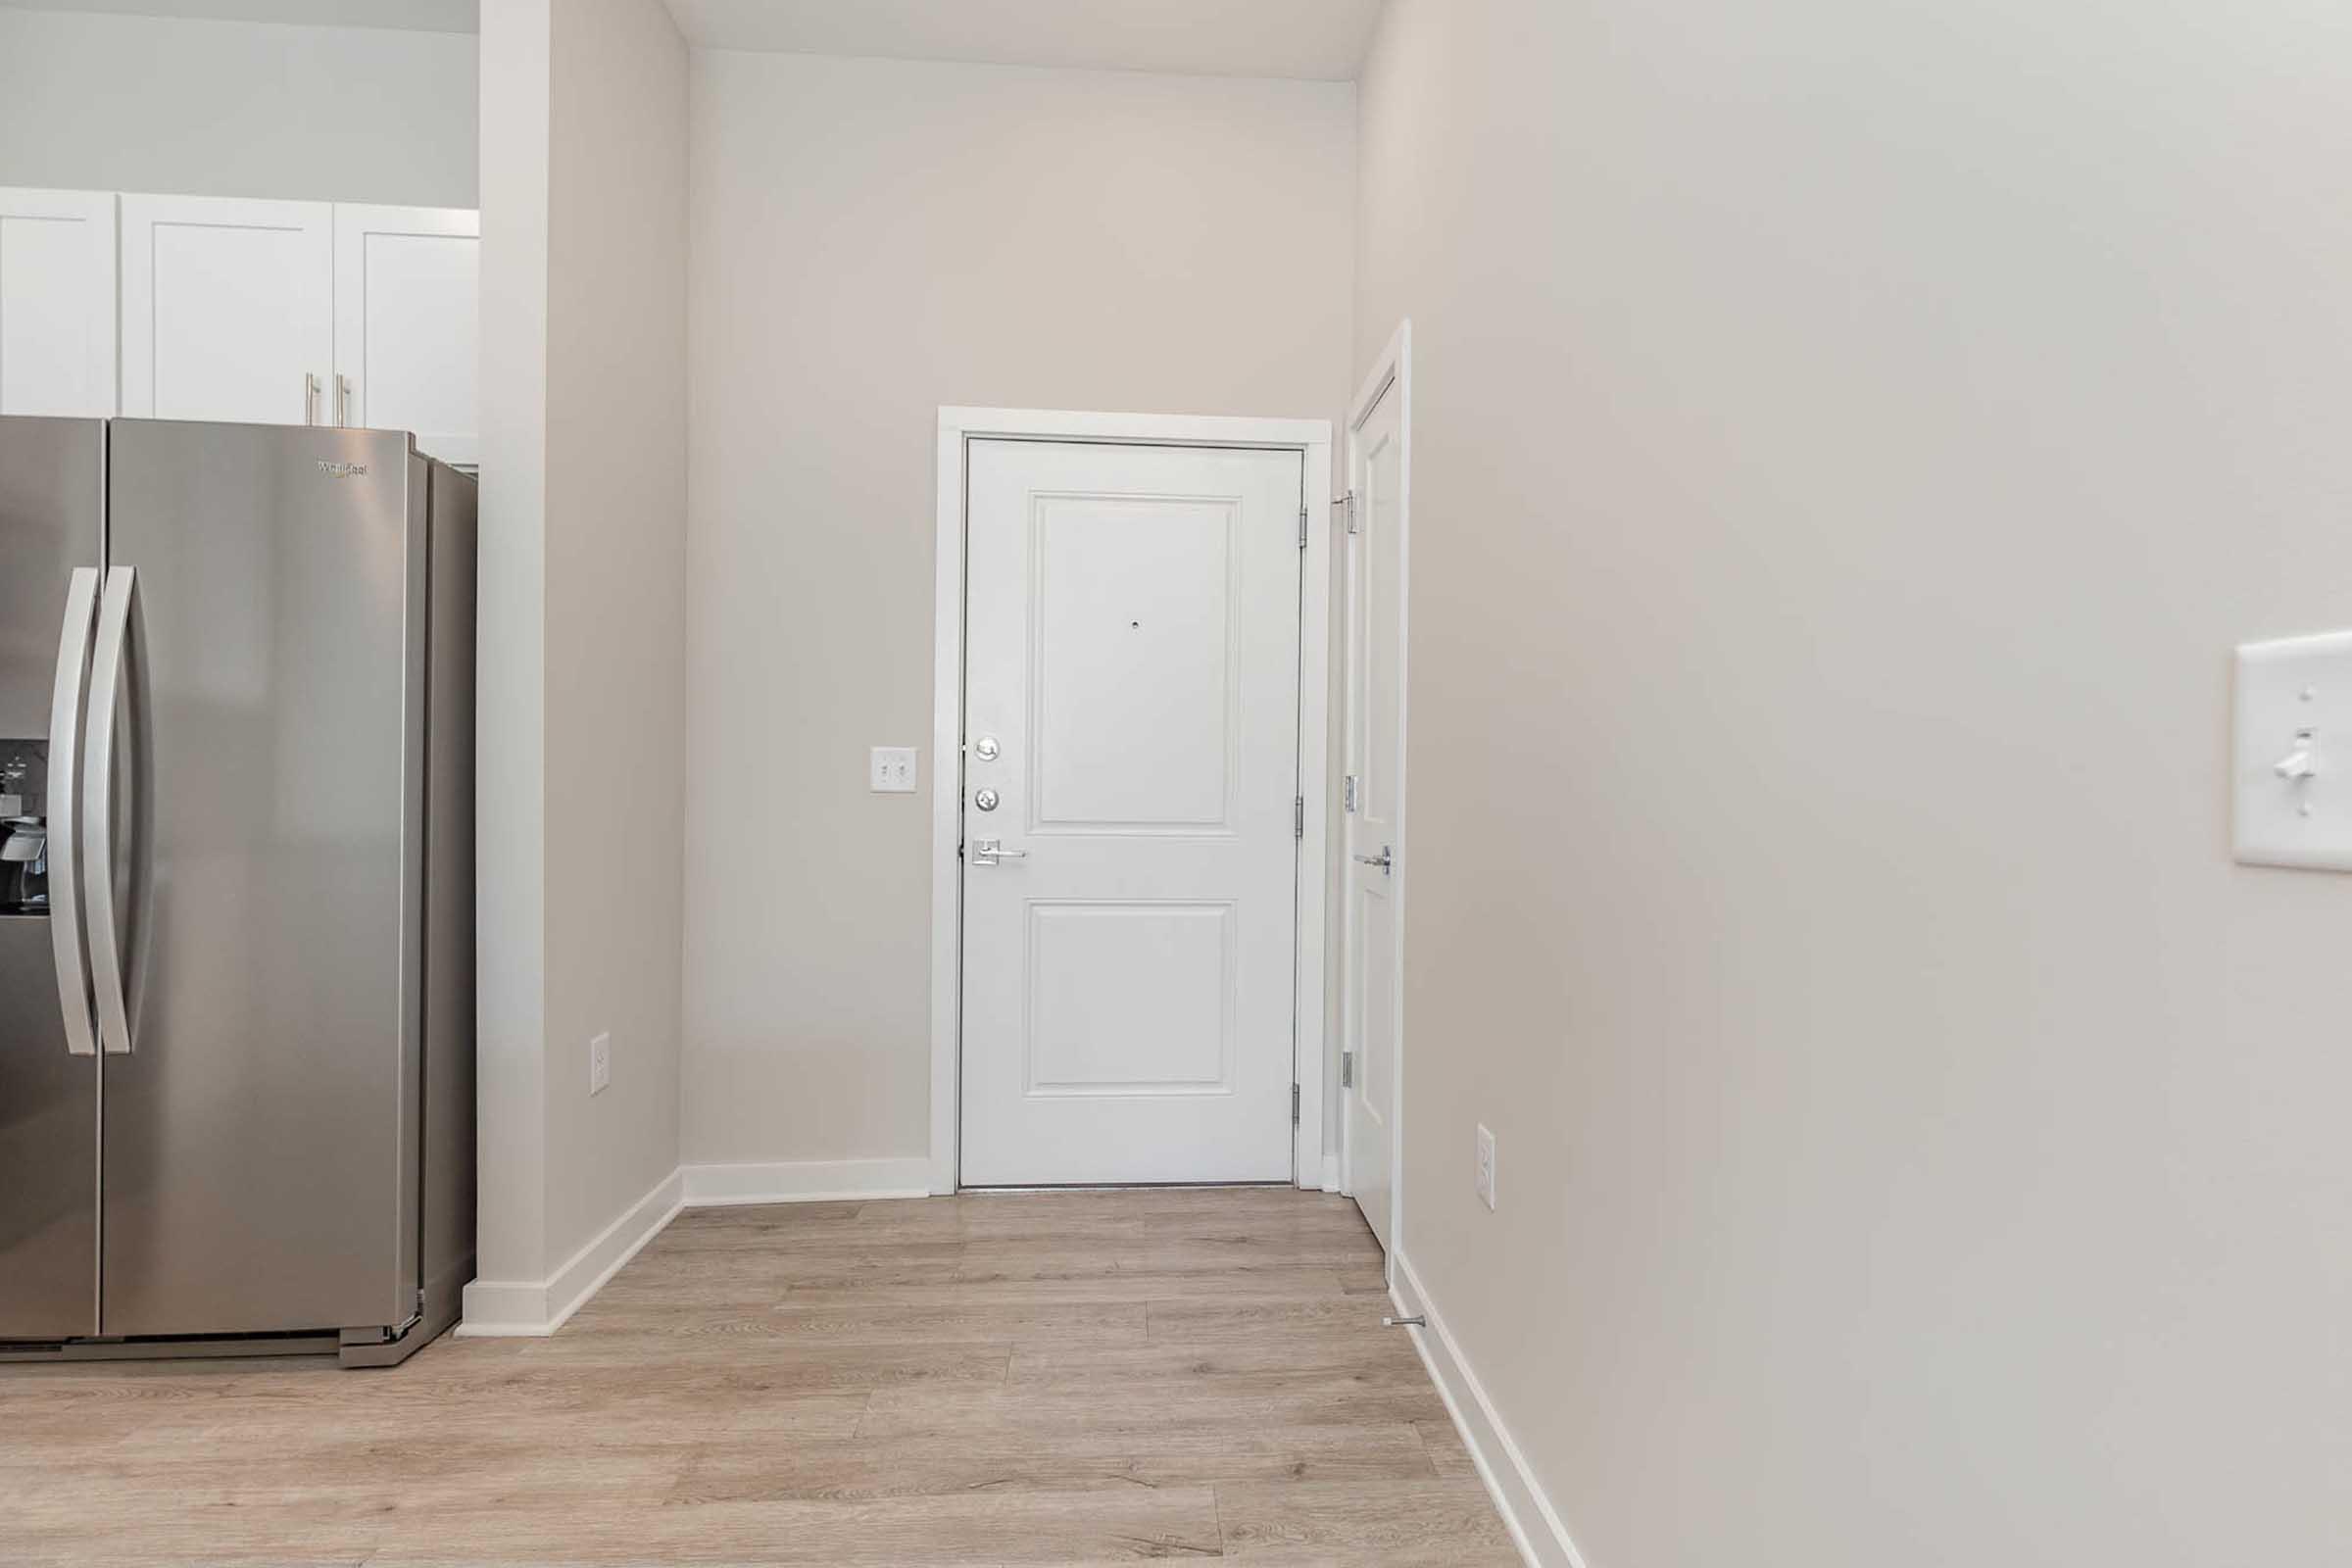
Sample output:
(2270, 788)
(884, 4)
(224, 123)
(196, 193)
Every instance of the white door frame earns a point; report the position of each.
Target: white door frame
(1394, 368)
(958, 426)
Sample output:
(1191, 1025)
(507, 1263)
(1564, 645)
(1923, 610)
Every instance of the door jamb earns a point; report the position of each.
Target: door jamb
(1394, 368)
(958, 428)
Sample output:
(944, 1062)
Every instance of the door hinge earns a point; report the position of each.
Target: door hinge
(1344, 503)
(1348, 791)
(1346, 1069)
(1302, 528)
(1298, 816)
(1293, 1105)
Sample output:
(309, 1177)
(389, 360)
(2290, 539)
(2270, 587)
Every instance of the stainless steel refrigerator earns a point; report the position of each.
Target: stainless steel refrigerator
(236, 890)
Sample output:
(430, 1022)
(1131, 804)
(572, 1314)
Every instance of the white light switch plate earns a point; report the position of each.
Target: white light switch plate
(600, 1063)
(2291, 764)
(893, 770)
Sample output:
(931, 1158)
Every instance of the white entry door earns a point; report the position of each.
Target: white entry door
(227, 308)
(1131, 720)
(1370, 974)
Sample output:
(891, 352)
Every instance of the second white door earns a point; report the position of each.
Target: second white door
(1131, 715)
(1371, 795)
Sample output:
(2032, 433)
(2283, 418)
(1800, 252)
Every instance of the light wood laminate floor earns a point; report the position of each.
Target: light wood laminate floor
(1062, 1378)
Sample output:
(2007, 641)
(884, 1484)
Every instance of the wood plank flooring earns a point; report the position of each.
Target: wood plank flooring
(1077, 1378)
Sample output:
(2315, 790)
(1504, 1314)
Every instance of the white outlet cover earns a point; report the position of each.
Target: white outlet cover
(891, 770)
(2294, 713)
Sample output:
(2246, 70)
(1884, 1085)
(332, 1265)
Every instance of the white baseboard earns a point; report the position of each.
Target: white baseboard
(527, 1308)
(508, 1310)
(1533, 1523)
(495, 1310)
(806, 1181)
(1331, 1173)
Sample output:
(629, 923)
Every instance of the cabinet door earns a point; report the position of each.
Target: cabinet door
(227, 308)
(407, 308)
(56, 302)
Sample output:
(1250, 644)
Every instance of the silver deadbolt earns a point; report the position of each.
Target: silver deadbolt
(985, 800)
(986, 749)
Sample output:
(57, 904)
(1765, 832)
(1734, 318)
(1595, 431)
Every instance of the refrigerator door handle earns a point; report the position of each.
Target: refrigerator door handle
(97, 810)
(65, 757)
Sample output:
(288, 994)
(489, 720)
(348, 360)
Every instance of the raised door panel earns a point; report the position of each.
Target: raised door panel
(407, 308)
(1130, 998)
(227, 308)
(1132, 623)
(57, 303)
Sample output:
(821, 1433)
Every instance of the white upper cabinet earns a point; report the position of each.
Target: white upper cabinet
(406, 303)
(227, 308)
(56, 302)
(253, 311)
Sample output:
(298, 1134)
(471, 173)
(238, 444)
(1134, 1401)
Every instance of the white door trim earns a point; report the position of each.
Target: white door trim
(1394, 368)
(1312, 437)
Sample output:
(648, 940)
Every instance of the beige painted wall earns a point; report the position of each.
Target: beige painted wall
(209, 107)
(1849, 439)
(511, 674)
(584, 529)
(616, 603)
(873, 239)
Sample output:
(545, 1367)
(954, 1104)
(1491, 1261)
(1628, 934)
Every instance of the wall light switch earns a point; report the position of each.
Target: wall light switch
(893, 770)
(2291, 764)
(600, 1063)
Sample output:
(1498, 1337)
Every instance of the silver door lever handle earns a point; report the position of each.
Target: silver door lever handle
(1383, 859)
(988, 851)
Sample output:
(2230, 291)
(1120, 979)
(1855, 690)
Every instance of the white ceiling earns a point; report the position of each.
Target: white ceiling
(1322, 41)
(416, 15)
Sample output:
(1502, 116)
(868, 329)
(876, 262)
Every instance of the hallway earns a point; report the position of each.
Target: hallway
(1059, 1378)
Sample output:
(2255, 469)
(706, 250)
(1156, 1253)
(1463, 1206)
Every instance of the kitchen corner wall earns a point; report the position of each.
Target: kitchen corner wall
(873, 239)
(582, 726)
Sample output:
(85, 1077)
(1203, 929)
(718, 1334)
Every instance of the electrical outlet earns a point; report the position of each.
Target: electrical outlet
(892, 771)
(600, 1064)
(1485, 1178)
